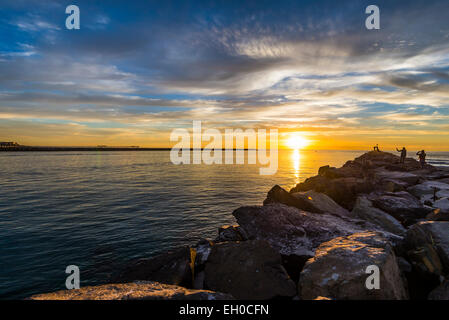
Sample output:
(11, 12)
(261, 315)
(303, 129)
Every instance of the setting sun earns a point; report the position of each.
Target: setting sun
(297, 141)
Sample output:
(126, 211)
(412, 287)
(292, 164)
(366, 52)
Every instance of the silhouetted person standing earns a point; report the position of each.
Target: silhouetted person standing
(403, 152)
(422, 157)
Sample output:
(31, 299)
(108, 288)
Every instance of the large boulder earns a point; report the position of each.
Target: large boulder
(338, 270)
(405, 178)
(350, 169)
(344, 191)
(401, 205)
(364, 209)
(292, 231)
(394, 181)
(248, 270)
(432, 236)
(430, 190)
(279, 195)
(133, 291)
(427, 248)
(175, 267)
(322, 202)
(310, 201)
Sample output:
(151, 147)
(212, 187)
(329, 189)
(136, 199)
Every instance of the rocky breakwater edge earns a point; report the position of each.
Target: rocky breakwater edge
(312, 242)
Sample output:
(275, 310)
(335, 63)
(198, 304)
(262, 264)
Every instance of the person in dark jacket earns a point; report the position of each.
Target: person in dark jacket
(403, 152)
(422, 157)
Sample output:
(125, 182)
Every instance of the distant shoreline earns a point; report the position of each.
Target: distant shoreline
(30, 149)
(58, 149)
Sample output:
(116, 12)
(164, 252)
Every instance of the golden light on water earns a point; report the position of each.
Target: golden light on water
(297, 141)
(296, 161)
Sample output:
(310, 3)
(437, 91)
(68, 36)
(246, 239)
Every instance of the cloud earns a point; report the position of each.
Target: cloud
(288, 65)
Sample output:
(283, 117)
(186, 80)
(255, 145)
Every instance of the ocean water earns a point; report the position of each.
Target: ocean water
(98, 210)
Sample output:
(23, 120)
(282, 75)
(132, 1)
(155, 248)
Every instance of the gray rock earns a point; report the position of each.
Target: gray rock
(248, 270)
(133, 291)
(364, 209)
(401, 205)
(338, 270)
(402, 178)
(442, 204)
(426, 190)
(290, 230)
(231, 233)
(322, 202)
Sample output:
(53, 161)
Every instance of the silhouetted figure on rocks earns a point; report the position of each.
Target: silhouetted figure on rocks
(403, 152)
(422, 157)
(376, 148)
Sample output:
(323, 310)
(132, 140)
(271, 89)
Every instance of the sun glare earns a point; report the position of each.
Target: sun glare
(297, 141)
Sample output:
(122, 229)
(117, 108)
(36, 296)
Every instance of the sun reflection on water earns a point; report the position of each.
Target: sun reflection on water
(296, 161)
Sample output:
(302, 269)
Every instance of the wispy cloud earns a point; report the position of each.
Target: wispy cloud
(287, 65)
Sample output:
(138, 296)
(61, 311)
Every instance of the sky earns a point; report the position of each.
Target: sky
(136, 70)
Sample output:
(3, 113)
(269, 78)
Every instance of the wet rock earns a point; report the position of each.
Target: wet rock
(441, 292)
(365, 210)
(292, 231)
(173, 267)
(401, 205)
(231, 233)
(338, 269)
(248, 270)
(133, 291)
(279, 195)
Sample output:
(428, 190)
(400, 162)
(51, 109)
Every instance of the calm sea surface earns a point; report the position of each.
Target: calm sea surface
(98, 210)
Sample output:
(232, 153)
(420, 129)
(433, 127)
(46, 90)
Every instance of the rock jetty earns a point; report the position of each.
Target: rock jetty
(314, 242)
